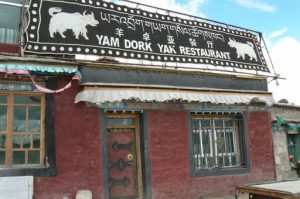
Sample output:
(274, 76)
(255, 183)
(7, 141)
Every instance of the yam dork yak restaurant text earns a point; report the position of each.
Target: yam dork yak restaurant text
(115, 101)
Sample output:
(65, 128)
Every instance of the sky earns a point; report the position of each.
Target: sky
(278, 20)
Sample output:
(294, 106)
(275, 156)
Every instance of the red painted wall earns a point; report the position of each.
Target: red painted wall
(78, 150)
(169, 153)
(79, 154)
(9, 48)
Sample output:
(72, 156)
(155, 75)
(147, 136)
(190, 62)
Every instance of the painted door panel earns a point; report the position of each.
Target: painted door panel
(122, 164)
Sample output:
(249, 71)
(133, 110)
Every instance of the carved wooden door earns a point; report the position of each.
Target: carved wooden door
(124, 161)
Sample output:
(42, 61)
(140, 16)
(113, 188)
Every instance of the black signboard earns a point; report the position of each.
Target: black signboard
(101, 28)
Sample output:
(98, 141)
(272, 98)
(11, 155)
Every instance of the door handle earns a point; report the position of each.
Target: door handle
(130, 156)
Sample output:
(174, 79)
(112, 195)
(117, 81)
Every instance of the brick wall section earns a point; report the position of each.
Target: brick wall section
(169, 153)
(78, 150)
(261, 145)
(170, 157)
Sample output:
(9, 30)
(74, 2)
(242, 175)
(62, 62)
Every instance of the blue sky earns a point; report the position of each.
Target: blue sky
(278, 20)
(264, 16)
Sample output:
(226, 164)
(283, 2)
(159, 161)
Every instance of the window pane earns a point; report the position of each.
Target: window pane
(34, 119)
(196, 137)
(220, 161)
(210, 162)
(3, 118)
(227, 161)
(229, 123)
(220, 141)
(218, 123)
(205, 123)
(2, 141)
(229, 141)
(36, 141)
(20, 119)
(27, 100)
(19, 157)
(233, 161)
(26, 141)
(16, 141)
(206, 141)
(120, 122)
(33, 157)
(3, 99)
(2, 157)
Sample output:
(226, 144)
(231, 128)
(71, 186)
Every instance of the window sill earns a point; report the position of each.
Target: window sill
(22, 167)
(36, 171)
(221, 171)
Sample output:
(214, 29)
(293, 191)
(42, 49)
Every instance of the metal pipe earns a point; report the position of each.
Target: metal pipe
(21, 27)
(13, 4)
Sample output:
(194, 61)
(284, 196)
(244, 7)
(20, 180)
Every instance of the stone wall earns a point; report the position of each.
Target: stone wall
(283, 168)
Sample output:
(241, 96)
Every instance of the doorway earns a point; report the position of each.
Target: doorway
(124, 156)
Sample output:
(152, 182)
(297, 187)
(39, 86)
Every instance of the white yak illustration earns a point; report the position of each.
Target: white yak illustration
(243, 49)
(62, 21)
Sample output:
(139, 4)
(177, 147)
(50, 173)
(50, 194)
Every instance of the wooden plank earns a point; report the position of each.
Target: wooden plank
(265, 192)
(121, 127)
(9, 138)
(120, 115)
(42, 130)
(138, 154)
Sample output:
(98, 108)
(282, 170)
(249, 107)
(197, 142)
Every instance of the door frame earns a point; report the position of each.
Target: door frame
(138, 149)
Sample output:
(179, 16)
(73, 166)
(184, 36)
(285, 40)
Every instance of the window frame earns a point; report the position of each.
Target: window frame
(10, 133)
(293, 145)
(242, 145)
(49, 128)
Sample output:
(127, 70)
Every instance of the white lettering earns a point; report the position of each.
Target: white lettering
(138, 45)
(167, 49)
(108, 41)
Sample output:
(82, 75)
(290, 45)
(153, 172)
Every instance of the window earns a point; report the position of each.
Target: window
(218, 142)
(10, 15)
(22, 130)
(294, 145)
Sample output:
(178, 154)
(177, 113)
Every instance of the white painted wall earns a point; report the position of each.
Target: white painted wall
(16, 187)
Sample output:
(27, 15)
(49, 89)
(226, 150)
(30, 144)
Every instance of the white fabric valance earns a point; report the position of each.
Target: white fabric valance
(102, 95)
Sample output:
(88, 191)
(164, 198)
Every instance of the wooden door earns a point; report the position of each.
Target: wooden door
(125, 180)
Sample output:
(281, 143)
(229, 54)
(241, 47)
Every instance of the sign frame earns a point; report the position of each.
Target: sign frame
(126, 36)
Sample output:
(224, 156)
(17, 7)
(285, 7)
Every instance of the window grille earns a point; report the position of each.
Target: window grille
(218, 141)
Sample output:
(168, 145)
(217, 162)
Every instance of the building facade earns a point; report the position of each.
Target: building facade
(285, 119)
(124, 131)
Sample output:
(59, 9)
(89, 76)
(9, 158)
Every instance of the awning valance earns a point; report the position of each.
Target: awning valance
(25, 69)
(102, 95)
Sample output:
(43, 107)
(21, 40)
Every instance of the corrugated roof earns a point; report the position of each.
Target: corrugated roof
(101, 95)
(291, 187)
